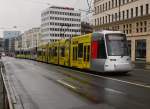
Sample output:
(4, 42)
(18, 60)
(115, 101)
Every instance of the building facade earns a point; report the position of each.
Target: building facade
(1, 45)
(9, 41)
(18, 42)
(129, 16)
(31, 38)
(60, 22)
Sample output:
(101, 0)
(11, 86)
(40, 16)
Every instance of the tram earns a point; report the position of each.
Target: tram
(103, 51)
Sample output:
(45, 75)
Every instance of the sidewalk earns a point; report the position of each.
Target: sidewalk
(141, 65)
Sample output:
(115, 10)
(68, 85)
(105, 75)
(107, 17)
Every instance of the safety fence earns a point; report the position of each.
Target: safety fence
(5, 97)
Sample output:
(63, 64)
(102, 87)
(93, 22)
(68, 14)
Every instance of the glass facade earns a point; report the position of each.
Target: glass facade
(140, 50)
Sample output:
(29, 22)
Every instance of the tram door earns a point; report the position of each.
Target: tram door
(86, 55)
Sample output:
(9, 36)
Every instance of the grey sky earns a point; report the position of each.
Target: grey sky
(25, 14)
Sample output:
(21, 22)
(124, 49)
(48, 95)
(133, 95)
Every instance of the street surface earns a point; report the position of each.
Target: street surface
(45, 86)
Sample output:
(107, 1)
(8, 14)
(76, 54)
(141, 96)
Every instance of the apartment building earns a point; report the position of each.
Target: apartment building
(31, 38)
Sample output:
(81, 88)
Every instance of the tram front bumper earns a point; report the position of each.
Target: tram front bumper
(121, 67)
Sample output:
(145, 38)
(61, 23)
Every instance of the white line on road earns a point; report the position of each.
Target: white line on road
(127, 82)
(66, 84)
(115, 91)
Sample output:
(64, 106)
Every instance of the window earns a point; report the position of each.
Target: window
(109, 5)
(100, 20)
(116, 3)
(145, 23)
(100, 8)
(80, 50)
(55, 51)
(95, 9)
(140, 49)
(145, 29)
(147, 8)
(141, 29)
(129, 47)
(109, 18)
(62, 51)
(136, 11)
(97, 21)
(123, 15)
(141, 10)
(112, 17)
(103, 20)
(98, 49)
(123, 1)
(106, 18)
(101, 49)
(86, 53)
(116, 45)
(131, 12)
(112, 3)
(115, 16)
(137, 30)
(127, 14)
(74, 53)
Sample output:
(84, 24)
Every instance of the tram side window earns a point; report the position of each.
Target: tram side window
(50, 52)
(84, 53)
(80, 50)
(88, 53)
(74, 53)
(39, 53)
(62, 51)
(101, 49)
(55, 51)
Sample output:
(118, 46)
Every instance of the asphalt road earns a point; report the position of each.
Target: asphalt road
(45, 86)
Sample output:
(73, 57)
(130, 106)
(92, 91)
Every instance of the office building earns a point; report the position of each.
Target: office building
(60, 22)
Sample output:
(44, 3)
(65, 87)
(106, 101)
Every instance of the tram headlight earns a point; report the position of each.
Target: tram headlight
(106, 65)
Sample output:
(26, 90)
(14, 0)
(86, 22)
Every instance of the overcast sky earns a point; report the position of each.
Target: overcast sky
(25, 14)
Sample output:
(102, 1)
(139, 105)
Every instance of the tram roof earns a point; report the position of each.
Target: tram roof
(108, 31)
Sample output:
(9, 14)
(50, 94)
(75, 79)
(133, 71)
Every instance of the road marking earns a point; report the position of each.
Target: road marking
(127, 82)
(66, 84)
(115, 91)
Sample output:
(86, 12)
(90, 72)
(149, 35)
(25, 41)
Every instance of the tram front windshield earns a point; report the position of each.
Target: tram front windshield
(117, 45)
